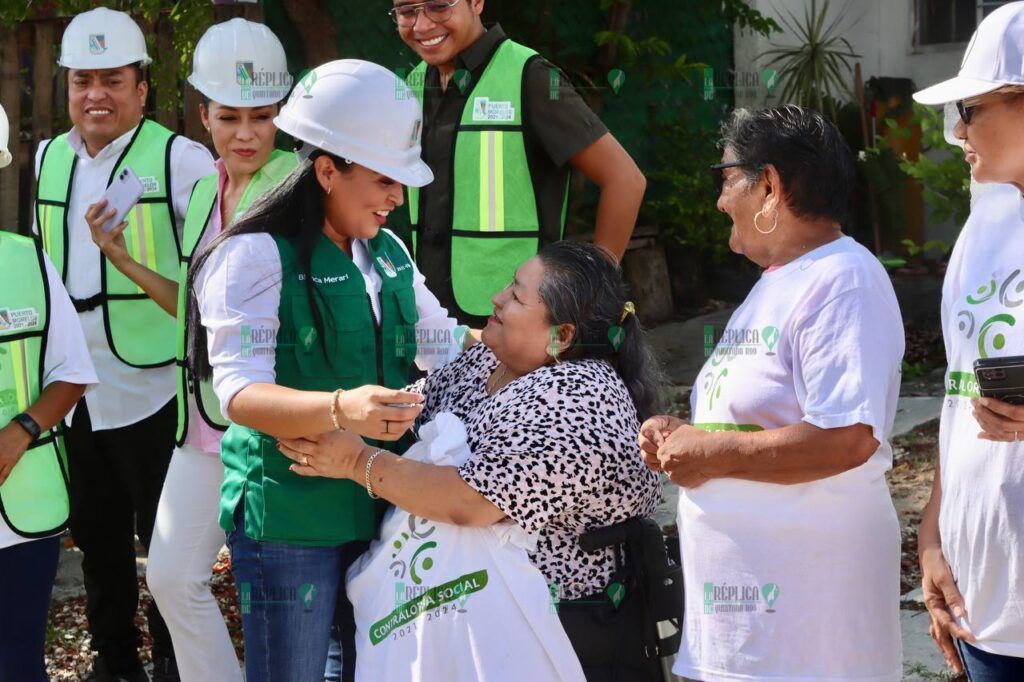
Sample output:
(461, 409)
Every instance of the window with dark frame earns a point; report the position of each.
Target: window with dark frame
(938, 22)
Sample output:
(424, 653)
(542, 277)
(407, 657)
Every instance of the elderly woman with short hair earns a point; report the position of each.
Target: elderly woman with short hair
(790, 542)
(971, 540)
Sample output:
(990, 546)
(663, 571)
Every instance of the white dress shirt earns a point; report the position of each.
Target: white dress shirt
(240, 285)
(125, 394)
(66, 358)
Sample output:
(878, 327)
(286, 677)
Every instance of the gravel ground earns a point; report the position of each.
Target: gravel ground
(68, 656)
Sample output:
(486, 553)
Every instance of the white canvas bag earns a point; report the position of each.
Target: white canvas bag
(441, 603)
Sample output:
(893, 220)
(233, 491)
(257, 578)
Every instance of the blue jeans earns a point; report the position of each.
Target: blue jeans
(287, 595)
(28, 570)
(981, 666)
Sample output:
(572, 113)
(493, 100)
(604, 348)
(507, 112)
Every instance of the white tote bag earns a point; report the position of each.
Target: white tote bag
(440, 603)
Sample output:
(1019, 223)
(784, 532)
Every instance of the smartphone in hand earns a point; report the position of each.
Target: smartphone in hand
(1001, 378)
(124, 192)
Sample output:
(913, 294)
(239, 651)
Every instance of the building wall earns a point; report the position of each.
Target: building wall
(881, 31)
(878, 30)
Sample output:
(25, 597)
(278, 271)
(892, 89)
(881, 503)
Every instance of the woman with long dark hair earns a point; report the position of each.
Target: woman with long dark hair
(305, 311)
(552, 401)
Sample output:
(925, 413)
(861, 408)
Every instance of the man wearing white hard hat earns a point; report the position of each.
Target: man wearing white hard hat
(309, 315)
(44, 370)
(241, 73)
(971, 540)
(122, 434)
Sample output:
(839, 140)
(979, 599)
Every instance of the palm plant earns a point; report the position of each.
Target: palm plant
(816, 71)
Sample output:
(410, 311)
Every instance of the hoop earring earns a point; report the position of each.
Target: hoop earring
(329, 187)
(775, 223)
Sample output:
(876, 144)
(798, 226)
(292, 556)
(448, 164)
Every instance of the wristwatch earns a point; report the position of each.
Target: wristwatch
(28, 423)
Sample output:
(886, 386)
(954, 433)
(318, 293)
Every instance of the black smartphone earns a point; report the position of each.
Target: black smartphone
(1001, 378)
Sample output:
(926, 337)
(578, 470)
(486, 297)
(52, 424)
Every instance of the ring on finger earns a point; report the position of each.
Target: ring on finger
(305, 461)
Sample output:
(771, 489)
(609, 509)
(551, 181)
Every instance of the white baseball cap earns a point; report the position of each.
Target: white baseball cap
(361, 112)
(994, 58)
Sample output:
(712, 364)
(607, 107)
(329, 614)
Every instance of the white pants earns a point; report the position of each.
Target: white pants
(186, 540)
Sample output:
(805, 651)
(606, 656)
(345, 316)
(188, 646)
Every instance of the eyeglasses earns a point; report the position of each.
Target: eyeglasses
(438, 11)
(717, 171)
(966, 107)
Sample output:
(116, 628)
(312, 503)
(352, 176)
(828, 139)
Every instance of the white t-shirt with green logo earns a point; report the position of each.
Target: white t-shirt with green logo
(981, 519)
(799, 582)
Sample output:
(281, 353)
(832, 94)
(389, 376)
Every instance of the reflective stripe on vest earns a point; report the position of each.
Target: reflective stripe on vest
(34, 499)
(280, 506)
(201, 206)
(139, 332)
(495, 224)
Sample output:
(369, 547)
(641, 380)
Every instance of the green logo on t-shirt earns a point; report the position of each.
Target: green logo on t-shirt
(713, 386)
(991, 335)
(962, 383)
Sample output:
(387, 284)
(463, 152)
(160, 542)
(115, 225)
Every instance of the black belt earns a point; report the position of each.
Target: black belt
(84, 305)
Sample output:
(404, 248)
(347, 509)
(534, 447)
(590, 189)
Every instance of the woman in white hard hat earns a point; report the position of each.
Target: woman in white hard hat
(240, 70)
(972, 532)
(44, 369)
(309, 316)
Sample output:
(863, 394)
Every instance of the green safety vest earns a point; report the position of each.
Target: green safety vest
(281, 506)
(200, 208)
(495, 225)
(140, 333)
(34, 498)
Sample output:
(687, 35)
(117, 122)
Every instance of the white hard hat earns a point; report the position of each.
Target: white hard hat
(102, 39)
(361, 112)
(5, 130)
(241, 64)
(994, 58)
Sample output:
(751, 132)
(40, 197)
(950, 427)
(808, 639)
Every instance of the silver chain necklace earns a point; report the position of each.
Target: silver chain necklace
(497, 380)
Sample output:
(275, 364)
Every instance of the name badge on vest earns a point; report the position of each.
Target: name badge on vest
(21, 318)
(150, 184)
(486, 110)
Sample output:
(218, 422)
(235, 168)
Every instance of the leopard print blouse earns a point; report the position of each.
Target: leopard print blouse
(556, 450)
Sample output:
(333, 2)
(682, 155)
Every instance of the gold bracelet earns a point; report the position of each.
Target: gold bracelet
(366, 474)
(334, 408)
